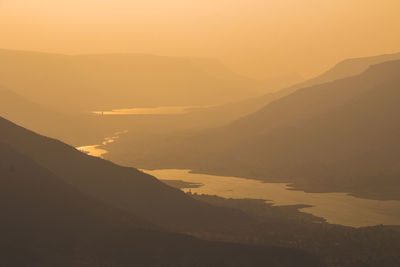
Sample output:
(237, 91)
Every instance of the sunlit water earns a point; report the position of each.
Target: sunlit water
(147, 111)
(96, 150)
(337, 208)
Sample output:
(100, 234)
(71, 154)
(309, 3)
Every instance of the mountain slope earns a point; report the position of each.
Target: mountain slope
(73, 128)
(216, 116)
(101, 82)
(126, 188)
(345, 68)
(352, 67)
(81, 129)
(338, 136)
(351, 145)
(46, 222)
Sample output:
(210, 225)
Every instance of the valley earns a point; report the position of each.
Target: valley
(195, 133)
(335, 208)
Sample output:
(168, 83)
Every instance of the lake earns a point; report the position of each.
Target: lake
(147, 111)
(337, 208)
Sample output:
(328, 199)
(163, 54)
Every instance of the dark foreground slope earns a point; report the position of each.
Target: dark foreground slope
(71, 127)
(46, 222)
(126, 188)
(338, 136)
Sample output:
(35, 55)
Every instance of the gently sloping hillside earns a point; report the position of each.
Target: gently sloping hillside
(123, 187)
(46, 222)
(338, 136)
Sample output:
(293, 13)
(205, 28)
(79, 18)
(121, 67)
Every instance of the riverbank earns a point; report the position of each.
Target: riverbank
(336, 208)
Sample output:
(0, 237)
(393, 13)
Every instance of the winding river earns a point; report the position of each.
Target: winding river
(97, 150)
(337, 208)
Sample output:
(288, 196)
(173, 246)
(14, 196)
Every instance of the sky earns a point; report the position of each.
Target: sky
(258, 38)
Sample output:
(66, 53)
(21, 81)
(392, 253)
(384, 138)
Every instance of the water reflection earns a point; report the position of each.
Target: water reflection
(147, 111)
(96, 150)
(338, 208)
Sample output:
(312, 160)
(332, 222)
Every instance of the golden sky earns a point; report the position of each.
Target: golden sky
(259, 38)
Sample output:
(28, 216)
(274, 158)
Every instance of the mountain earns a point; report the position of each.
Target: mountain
(341, 135)
(72, 127)
(147, 128)
(47, 222)
(125, 188)
(83, 128)
(337, 136)
(217, 116)
(110, 81)
(351, 67)
(345, 68)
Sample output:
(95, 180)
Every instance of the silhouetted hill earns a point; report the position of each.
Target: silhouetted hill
(126, 188)
(46, 222)
(99, 82)
(83, 128)
(342, 135)
(343, 69)
(337, 136)
(351, 67)
(36, 197)
(71, 127)
(147, 129)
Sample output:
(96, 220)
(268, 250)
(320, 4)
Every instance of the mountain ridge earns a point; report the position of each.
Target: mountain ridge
(84, 82)
(264, 144)
(47, 222)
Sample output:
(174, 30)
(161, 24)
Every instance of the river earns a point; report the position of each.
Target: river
(337, 208)
(97, 150)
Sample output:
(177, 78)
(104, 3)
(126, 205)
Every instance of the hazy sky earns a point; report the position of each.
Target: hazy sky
(259, 38)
